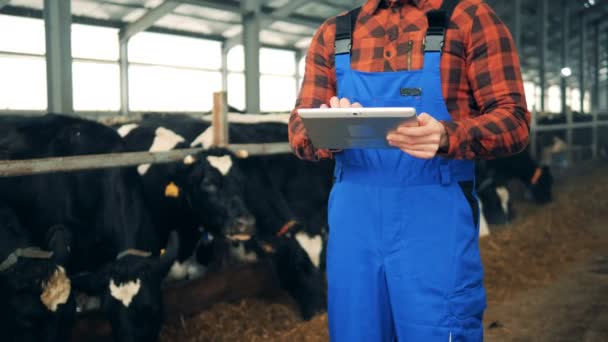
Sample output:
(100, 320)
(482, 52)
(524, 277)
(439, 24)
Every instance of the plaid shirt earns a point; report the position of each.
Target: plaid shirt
(480, 73)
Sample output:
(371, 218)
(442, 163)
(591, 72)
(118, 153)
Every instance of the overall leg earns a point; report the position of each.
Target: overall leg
(433, 267)
(359, 308)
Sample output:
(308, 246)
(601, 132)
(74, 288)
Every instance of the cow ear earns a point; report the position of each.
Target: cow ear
(169, 256)
(59, 240)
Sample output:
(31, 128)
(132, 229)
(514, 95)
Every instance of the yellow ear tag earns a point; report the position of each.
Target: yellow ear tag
(268, 248)
(162, 251)
(172, 190)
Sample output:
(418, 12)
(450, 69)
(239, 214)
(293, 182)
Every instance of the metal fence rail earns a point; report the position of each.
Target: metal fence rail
(9, 168)
(562, 127)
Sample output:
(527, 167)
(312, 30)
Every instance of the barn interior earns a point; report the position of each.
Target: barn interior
(230, 65)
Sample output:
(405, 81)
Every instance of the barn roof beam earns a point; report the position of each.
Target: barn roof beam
(4, 3)
(266, 12)
(279, 13)
(147, 20)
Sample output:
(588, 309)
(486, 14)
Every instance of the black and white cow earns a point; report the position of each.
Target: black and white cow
(537, 178)
(288, 229)
(114, 241)
(35, 291)
(201, 196)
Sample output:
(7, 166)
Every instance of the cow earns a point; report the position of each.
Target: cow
(35, 291)
(494, 197)
(115, 246)
(200, 196)
(280, 233)
(537, 178)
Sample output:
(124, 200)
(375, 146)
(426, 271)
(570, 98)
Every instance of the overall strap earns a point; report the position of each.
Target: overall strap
(345, 26)
(439, 21)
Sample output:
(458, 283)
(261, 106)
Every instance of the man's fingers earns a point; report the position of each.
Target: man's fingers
(424, 119)
(334, 102)
(344, 103)
(407, 139)
(418, 131)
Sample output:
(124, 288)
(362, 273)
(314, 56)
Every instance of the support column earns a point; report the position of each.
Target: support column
(251, 45)
(583, 56)
(57, 24)
(533, 126)
(299, 55)
(517, 24)
(595, 94)
(124, 76)
(564, 54)
(544, 9)
(224, 67)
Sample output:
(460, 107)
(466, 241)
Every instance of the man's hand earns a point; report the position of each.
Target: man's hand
(334, 102)
(420, 141)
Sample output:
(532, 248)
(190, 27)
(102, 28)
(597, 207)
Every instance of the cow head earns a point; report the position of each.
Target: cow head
(214, 190)
(541, 185)
(38, 304)
(130, 291)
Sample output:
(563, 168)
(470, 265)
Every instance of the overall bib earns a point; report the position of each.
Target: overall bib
(403, 259)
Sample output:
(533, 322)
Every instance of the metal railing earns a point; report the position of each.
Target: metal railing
(10, 168)
(595, 123)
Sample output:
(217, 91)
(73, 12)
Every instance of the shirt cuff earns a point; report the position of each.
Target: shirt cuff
(449, 151)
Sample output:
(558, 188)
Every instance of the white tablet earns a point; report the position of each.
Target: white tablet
(341, 128)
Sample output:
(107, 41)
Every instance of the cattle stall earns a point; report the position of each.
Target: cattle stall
(231, 284)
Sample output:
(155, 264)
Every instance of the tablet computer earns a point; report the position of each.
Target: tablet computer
(342, 128)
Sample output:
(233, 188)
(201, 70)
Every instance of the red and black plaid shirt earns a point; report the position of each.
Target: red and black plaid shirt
(480, 73)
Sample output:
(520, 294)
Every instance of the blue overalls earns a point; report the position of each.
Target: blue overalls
(403, 259)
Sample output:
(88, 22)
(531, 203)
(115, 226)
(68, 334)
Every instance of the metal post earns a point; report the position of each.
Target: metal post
(224, 67)
(533, 126)
(544, 9)
(595, 96)
(124, 77)
(57, 24)
(251, 44)
(583, 55)
(564, 54)
(517, 24)
(220, 119)
(299, 55)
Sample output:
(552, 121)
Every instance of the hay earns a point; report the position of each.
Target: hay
(254, 318)
(531, 252)
(543, 241)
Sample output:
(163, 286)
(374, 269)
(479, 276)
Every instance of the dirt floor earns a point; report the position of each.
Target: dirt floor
(546, 279)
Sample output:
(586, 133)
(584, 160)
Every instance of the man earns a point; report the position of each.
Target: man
(403, 260)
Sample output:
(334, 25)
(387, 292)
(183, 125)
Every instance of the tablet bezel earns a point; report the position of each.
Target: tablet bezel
(355, 127)
(376, 112)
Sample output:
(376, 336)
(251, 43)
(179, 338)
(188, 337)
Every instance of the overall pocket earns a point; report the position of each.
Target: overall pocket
(468, 190)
